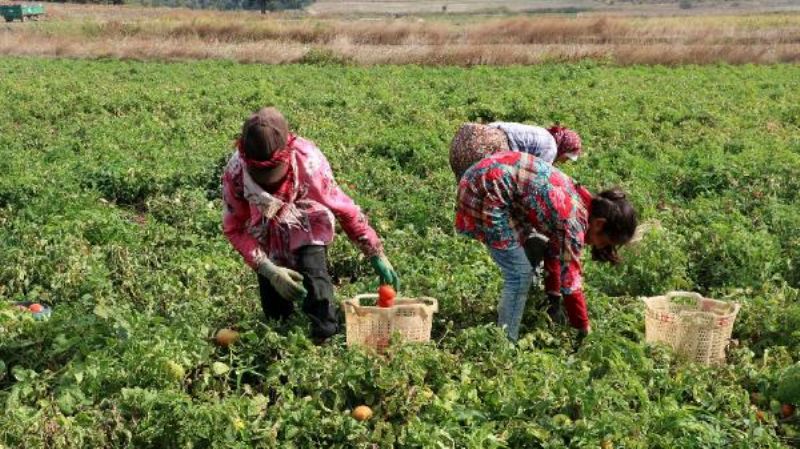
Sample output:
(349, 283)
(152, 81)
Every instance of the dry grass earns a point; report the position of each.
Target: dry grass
(170, 34)
(338, 8)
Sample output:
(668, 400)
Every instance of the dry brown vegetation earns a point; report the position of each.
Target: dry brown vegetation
(169, 34)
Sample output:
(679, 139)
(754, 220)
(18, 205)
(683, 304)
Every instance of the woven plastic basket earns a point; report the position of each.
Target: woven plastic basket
(700, 331)
(373, 326)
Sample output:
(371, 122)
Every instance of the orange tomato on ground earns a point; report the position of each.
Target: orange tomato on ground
(226, 337)
(362, 413)
(386, 295)
(35, 307)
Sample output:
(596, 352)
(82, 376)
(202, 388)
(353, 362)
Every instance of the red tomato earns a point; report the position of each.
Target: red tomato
(386, 295)
(35, 307)
(787, 410)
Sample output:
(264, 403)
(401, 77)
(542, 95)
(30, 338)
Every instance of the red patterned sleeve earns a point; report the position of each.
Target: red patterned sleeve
(552, 269)
(564, 276)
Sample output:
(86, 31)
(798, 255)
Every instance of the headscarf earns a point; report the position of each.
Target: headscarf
(280, 156)
(266, 143)
(567, 141)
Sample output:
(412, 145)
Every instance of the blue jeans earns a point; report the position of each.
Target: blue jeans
(517, 278)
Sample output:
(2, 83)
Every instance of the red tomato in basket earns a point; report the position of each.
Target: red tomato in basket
(35, 307)
(386, 295)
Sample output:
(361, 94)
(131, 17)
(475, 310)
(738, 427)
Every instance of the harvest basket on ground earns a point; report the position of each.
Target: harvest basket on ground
(698, 329)
(373, 326)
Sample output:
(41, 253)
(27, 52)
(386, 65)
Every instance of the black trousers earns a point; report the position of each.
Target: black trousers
(319, 305)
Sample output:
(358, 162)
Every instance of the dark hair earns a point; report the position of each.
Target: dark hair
(263, 133)
(620, 226)
(608, 254)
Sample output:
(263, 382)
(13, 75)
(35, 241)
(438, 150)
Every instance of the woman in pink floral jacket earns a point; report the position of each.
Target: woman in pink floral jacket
(280, 202)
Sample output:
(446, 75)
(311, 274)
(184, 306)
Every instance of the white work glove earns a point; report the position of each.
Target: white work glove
(288, 283)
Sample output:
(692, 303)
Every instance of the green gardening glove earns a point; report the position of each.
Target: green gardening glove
(385, 271)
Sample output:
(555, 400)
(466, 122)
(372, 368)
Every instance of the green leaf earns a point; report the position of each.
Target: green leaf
(102, 311)
(68, 401)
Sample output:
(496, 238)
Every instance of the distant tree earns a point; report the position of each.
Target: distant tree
(263, 5)
(277, 5)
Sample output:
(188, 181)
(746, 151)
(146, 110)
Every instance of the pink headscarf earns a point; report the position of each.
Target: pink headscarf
(567, 141)
(281, 156)
(285, 189)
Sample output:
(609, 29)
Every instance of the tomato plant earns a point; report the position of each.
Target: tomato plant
(110, 215)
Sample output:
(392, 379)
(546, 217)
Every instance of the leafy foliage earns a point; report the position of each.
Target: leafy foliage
(110, 213)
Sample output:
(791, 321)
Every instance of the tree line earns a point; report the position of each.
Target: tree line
(263, 5)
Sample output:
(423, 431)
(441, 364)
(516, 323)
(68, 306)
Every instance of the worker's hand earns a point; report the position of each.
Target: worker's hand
(385, 271)
(583, 333)
(535, 246)
(555, 310)
(288, 283)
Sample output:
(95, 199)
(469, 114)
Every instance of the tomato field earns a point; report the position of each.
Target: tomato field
(110, 214)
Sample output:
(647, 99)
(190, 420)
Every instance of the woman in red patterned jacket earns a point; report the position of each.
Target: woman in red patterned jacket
(505, 196)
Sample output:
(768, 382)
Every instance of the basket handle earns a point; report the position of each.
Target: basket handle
(684, 294)
(349, 305)
(680, 293)
(676, 294)
(354, 303)
(434, 303)
(700, 299)
(736, 307)
(433, 307)
(356, 300)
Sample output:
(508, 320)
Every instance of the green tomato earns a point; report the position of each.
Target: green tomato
(562, 420)
(219, 368)
(175, 370)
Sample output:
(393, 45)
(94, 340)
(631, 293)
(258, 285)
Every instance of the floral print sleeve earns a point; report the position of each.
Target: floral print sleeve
(236, 214)
(563, 270)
